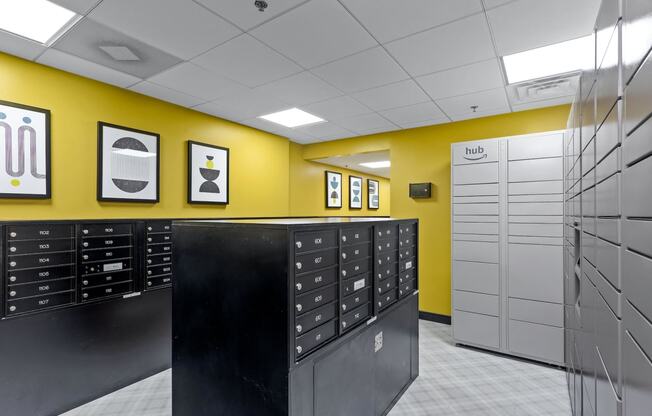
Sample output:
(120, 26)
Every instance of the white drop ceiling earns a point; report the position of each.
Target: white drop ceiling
(365, 66)
(354, 161)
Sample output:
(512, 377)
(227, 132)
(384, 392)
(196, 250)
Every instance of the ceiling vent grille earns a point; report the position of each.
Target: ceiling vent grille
(544, 88)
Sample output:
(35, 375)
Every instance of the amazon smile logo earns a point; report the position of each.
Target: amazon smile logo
(475, 153)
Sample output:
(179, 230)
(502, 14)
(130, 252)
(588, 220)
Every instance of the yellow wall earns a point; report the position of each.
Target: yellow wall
(423, 155)
(259, 160)
(269, 175)
(307, 193)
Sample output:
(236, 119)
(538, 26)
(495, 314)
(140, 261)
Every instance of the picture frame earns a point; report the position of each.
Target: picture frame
(373, 194)
(208, 174)
(333, 187)
(355, 192)
(30, 126)
(128, 164)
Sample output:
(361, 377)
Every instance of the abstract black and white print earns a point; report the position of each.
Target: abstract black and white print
(128, 164)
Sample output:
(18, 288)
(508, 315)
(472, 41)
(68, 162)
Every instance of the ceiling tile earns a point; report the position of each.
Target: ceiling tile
(377, 130)
(315, 33)
(246, 60)
(391, 19)
(325, 130)
(459, 43)
(78, 6)
(529, 24)
(300, 89)
(193, 80)
(425, 123)
(166, 94)
(479, 114)
(490, 100)
(394, 95)
(245, 14)
(543, 103)
(365, 122)
(245, 105)
(85, 38)
(368, 69)
(304, 140)
(463, 80)
(413, 113)
(336, 108)
(179, 27)
(79, 66)
(490, 4)
(18, 46)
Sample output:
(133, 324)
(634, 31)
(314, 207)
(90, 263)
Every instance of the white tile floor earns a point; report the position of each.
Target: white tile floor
(452, 381)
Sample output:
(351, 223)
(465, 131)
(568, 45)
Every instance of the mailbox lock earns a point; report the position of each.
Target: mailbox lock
(344, 324)
(12, 264)
(299, 286)
(344, 273)
(344, 256)
(299, 307)
(299, 265)
(12, 278)
(12, 293)
(299, 349)
(299, 244)
(12, 308)
(13, 234)
(85, 282)
(343, 307)
(299, 328)
(85, 295)
(344, 238)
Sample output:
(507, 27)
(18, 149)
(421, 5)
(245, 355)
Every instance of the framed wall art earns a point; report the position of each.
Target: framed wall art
(355, 192)
(208, 174)
(333, 189)
(24, 152)
(128, 164)
(373, 194)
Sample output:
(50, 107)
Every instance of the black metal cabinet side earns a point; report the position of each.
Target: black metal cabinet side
(230, 328)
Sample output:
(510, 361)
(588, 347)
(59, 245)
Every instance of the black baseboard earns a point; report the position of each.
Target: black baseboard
(435, 317)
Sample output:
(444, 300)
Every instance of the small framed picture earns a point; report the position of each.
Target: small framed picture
(355, 192)
(208, 174)
(373, 194)
(127, 164)
(333, 189)
(25, 152)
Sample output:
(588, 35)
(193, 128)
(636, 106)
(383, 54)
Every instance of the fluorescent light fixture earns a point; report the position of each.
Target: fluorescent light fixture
(377, 165)
(132, 152)
(560, 58)
(38, 20)
(292, 118)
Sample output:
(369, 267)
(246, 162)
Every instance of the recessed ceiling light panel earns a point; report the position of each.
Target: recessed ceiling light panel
(38, 20)
(292, 118)
(377, 165)
(560, 58)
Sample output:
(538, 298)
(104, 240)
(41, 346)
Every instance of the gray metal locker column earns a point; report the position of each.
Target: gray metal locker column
(636, 206)
(535, 247)
(476, 243)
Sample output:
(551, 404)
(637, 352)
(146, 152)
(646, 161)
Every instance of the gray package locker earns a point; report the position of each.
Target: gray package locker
(507, 245)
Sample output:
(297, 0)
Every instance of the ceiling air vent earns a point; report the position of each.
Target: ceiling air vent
(544, 88)
(120, 53)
